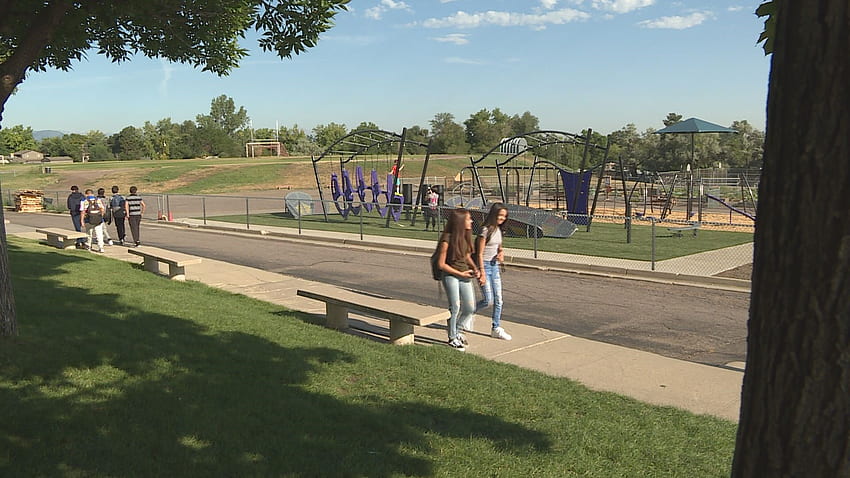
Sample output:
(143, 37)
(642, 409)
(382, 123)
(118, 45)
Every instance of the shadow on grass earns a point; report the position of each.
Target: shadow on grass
(99, 386)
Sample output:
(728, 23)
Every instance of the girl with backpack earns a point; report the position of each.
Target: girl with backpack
(454, 259)
(490, 257)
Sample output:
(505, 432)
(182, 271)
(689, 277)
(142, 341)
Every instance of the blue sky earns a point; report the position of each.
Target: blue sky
(574, 64)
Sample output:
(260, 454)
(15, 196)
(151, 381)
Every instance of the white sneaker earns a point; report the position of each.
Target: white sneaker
(110, 242)
(499, 333)
(457, 345)
(462, 339)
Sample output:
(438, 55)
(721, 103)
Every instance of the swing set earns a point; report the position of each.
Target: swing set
(350, 194)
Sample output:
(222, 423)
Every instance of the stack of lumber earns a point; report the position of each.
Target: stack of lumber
(29, 200)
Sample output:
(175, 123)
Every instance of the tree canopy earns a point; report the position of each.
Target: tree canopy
(36, 35)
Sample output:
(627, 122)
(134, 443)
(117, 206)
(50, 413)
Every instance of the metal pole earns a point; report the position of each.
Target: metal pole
(299, 217)
(535, 234)
(247, 216)
(652, 247)
(395, 177)
(204, 208)
(362, 212)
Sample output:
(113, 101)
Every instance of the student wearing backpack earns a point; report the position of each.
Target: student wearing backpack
(92, 211)
(454, 259)
(489, 257)
(119, 213)
(75, 199)
(107, 215)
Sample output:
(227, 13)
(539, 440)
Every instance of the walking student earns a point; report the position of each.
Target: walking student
(117, 204)
(92, 211)
(74, 200)
(459, 270)
(134, 207)
(490, 258)
(107, 215)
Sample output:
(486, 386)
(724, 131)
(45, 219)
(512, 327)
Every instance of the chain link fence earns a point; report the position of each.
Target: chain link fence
(638, 243)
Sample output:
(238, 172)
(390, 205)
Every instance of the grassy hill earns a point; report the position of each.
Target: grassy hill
(211, 176)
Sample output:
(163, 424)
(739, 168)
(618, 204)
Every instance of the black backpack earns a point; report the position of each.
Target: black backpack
(436, 272)
(93, 214)
(116, 203)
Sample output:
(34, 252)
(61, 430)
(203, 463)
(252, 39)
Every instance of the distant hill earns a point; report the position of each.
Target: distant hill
(46, 133)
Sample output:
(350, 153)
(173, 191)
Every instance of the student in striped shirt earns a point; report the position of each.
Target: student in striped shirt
(135, 209)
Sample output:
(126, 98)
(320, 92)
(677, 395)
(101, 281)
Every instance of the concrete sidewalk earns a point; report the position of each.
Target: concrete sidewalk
(648, 377)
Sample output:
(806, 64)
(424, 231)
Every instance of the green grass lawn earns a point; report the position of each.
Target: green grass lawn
(118, 372)
(603, 240)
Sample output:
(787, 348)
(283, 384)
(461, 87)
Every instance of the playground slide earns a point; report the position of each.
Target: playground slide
(731, 207)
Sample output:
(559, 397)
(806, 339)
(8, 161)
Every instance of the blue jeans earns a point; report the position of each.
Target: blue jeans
(492, 291)
(76, 219)
(461, 295)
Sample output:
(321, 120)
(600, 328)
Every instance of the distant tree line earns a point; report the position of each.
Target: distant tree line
(226, 129)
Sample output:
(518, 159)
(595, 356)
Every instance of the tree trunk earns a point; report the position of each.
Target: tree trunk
(8, 319)
(795, 410)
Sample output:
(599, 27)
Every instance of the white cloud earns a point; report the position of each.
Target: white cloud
(735, 8)
(456, 38)
(377, 12)
(677, 22)
(374, 13)
(621, 6)
(463, 61)
(548, 4)
(393, 5)
(167, 69)
(539, 21)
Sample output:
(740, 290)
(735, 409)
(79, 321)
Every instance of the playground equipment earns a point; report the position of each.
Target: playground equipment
(299, 204)
(387, 201)
(731, 207)
(573, 186)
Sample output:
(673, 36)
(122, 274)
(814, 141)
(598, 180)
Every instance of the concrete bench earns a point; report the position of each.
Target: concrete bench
(403, 316)
(679, 231)
(176, 261)
(61, 238)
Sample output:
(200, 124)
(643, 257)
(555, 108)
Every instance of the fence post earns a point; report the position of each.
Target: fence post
(247, 215)
(652, 247)
(535, 234)
(299, 217)
(362, 211)
(204, 209)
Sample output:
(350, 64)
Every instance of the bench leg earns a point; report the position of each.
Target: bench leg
(176, 272)
(401, 333)
(67, 243)
(151, 265)
(336, 316)
(55, 241)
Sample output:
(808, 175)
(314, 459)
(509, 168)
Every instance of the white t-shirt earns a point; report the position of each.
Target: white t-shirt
(433, 198)
(491, 248)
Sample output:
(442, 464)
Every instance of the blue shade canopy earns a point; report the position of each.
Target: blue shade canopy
(695, 125)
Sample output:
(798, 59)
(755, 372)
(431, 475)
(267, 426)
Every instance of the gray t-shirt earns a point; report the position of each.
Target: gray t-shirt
(491, 248)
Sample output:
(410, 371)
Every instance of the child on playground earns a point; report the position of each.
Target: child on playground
(490, 257)
(432, 199)
(459, 269)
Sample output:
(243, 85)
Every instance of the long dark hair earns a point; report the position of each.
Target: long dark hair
(457, 235)
(492, 220)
